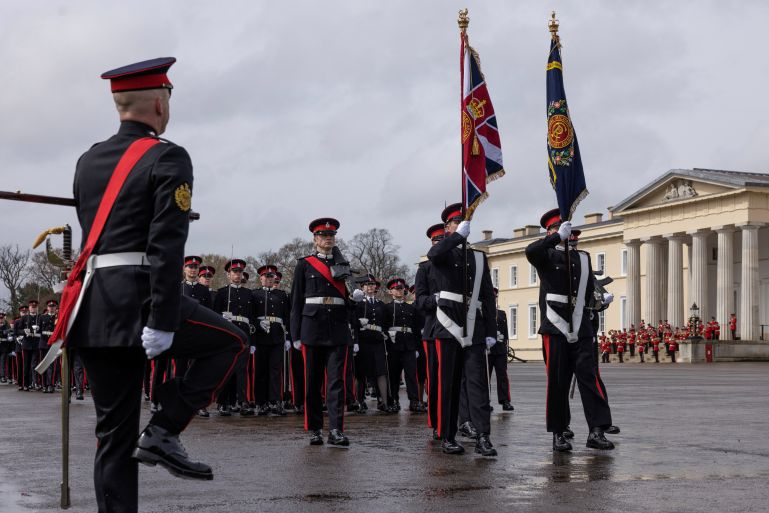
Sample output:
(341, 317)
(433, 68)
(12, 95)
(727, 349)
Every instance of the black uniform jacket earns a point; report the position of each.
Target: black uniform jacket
(320, 324)
(47, 323)
(198, 292)
(30, 329)
(404, 315)
(271, 303)
(501, 346)
(550, 262)
(376, 314)
(150, 215)
(446, 274)
(6, 337)
(237, 300)
(425, 301)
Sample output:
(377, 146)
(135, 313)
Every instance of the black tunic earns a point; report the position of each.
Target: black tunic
(404, 315)
(198, 292)
(273, 304)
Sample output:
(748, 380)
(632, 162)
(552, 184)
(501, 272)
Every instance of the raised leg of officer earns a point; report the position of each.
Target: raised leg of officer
(335, 374)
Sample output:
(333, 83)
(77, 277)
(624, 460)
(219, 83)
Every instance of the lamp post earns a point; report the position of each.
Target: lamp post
(694, 321)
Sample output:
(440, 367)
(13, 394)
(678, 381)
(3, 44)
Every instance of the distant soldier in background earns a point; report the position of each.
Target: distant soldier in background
(404, 332)
(371, 362)
(47, 323)
(498, 360)
(733, 326)
(18, 335)
(6, 347)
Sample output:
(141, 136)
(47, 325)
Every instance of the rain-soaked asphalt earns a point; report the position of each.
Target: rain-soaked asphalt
(694, 438)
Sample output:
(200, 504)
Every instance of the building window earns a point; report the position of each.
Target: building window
(513, 276)
(495, 277)
(623, 313)
(600, 262)
(532, 275)
(512, 322)
(602, 321)
(532, 321)
(623, 262)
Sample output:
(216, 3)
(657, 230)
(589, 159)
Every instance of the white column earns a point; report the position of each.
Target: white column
(725, 279)
(698, 286)
(675, 292)
(633, 282)
(653, 291)
(662, 279)
(748, 315)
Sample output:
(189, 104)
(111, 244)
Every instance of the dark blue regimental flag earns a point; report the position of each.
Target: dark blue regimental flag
(563, 159)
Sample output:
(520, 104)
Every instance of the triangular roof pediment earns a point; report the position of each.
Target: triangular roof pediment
(681, 185)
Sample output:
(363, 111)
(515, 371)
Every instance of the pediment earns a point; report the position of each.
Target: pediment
(670, 189)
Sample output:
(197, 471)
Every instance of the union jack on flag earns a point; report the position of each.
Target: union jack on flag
(481, 148)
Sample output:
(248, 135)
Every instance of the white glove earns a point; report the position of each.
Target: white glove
(287, 345)
(490, 341)
(392, 334)
(355, 348)
(13, 353)
(265, 325)
(608, 297)
(156, 341)
(416, 353)
(363, 322)
(297, 344)
(252, 349)
(27, 332)
(564, 230)
(358, 295)
(464, 229)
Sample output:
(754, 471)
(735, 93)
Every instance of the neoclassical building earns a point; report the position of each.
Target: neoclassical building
(691, 236)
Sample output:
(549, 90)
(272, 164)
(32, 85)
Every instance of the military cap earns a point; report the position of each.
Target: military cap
(396, 282)
(324, 226)
(436, 231)
(2, 314)
(550, 218)
(452, 212)
(32, 302)
(575, 235)
(207, 271)
(149, 74)
(235, 264)
(23, 308)
(367, 279)
(267, 270)
(192, 260)
(52, 302)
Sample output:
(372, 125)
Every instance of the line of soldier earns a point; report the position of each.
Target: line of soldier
(641, 342)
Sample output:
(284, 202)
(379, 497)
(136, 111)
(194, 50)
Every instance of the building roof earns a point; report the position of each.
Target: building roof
(498, 240)
(734, 179)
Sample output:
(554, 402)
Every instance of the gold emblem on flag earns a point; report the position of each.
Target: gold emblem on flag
(559, 131)
(183, 197)
(467, 126)
(476, 107)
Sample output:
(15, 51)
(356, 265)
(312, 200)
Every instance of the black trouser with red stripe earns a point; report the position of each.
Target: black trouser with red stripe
(432, 384)
(563, 359)
(297, 376)
(26, 377)
(405, 362)
(115, 375)
(268, 373)
(329, 363)
(498, 364)
(453, 361)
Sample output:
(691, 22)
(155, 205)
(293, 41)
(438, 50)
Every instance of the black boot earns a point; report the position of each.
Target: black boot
(468, 430)
(79, 396)
(223, 410)
(276, 410)
(158, 446)
(452, 447)
(560, 443)
(316, 437)
(597, 440)
(483, 445)
(300, 409)
(352, 407)
(507, 406)
(568, 433)
(612, 430)
(203, 413)
(336, 437)
(362, 406)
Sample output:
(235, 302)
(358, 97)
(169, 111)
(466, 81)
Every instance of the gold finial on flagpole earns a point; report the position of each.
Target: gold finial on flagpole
(464, 20)
(553, 25)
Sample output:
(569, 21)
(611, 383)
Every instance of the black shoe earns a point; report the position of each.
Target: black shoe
(568, 433)
(79, 397)
(50, 390)
(158, 446)
(452, 447)
(146, 397)
(596, 440)
(560, 443)
(468, 430)
(422, 407)
(352, 407)
(235, 408)
(336, 437)
(246, 411)
(483, 445)
(612, 430)
(323, 407)
(300, 409)
(362, 406)
(383, 407)
(203, 413)
(223, 411)
(153, 407)
(262, 410)
(396, 406)
(316, 437)
(3, 380)
(436, 436)
(276, 410)
(415, 407)
(506, 406)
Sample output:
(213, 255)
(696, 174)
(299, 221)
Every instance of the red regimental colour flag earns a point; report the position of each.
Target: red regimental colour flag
(481, 148)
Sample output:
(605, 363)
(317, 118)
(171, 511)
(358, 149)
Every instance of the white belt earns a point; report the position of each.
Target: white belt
(118, 259)
(402, 329)
(372, 327)
(270, 319)
(324, 300)
(240, 318)
(48, 333)
(558, 298)
(452, 296)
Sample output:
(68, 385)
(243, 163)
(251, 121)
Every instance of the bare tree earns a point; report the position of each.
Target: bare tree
(375, 252)
(217, 262)
(14, 271)
(44, 272)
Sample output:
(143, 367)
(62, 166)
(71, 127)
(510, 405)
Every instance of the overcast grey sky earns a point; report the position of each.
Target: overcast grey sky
(350, 109)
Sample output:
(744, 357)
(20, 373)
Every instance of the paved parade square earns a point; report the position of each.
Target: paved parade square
(694, 438)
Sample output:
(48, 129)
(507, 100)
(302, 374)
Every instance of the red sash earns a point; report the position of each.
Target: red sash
(326, 273)
(74, 285)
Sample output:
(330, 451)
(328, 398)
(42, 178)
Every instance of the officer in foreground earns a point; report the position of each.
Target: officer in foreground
(134, 308)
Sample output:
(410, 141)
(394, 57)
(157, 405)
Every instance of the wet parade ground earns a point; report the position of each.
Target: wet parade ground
(694, 438)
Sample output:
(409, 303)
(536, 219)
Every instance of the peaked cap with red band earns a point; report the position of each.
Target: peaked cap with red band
(368, 278)
(192, 260)
(52, 302)
(235, 263)
(436, 230)
(265, 269)
(149, 74)
(278, 276)
(575, 235)
(550, 218)
(324, 226)
(32, 302)
(207, 271)
(452, 212)
(395, 282)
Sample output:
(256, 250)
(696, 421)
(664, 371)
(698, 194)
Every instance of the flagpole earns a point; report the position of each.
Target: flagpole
(463, 21)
